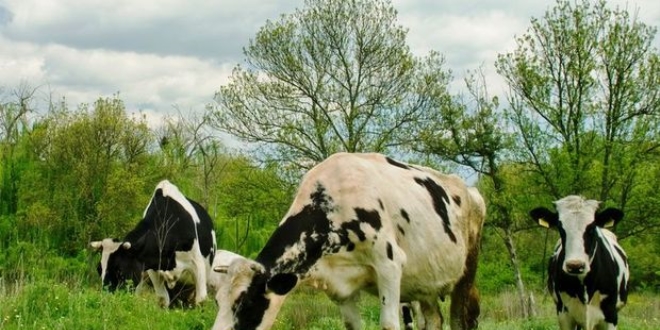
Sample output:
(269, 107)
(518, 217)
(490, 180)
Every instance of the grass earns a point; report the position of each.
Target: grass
(49, 304)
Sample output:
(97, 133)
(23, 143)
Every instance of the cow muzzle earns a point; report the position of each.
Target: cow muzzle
(575, 267)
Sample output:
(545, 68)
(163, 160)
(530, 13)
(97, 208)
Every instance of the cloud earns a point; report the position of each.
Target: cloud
(145, 81)
(206, 29)
(158, 54)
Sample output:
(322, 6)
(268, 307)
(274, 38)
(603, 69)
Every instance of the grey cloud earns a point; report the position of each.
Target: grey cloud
(6, 16)
(218, 36)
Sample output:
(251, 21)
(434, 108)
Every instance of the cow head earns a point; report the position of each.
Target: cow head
(117, 265)
(251, 298)
(578, 222)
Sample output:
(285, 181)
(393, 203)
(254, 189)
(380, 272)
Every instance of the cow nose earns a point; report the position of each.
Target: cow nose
(575, 267)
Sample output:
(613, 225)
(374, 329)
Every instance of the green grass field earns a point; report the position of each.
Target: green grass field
(54, 305)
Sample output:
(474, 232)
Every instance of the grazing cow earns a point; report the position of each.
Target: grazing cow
(588, 272)
(218, 279)
(365, 222)
(174, 242)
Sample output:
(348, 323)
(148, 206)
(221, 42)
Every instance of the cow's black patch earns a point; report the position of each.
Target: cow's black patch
(255, 297)
(407, 316)
(457, 199)
(320, 199)
(440, 201)
(404, 214)
(390, 253)
(370, 217)
(122, 267)
(397, 164)
(380, 203)
(403, 232)
(312, 223)
(310, 227)
(353, 226)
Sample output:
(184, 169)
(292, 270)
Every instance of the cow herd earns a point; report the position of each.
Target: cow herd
(405, 233)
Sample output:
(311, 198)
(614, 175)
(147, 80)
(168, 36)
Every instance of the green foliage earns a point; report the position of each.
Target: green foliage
(82, 166)
(584, 99)
(332, 76)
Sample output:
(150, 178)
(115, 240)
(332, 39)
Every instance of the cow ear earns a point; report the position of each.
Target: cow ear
(608, 217)
(544, 217)
(96, 245)
(281, 284)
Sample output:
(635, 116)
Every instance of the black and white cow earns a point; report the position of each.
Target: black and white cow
(588, 273)
(173, 243)
(365, 222)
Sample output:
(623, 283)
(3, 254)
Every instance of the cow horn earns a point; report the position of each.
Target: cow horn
(257, 268)
(126, 245)
(96, 245)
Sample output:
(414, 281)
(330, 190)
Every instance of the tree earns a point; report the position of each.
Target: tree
(585, 108)
(585, 102)
(190, 150)
(13, 122)
(334, 76)
(88, 175)
(472, 132)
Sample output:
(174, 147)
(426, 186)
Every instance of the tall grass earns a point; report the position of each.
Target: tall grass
(53, 304)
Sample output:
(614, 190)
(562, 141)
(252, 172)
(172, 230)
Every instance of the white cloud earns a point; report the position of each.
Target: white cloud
(161, 53)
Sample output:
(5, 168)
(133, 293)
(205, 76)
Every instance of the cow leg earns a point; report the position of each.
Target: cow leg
(566, 321)
(159, 287)
(420, 319)
(389, 286)
(464, 308)
(144, 284)
(350, 312)
(432, 317)
(200, 274)
(406, 311)
(606, 326)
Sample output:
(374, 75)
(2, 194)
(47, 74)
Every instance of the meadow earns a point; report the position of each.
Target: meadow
(73, 304)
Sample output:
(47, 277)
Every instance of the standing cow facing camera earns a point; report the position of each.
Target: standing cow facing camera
(588, 272)
(174, 241)
(365, 222)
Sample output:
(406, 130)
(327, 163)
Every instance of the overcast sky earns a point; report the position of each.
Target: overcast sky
(158, 54)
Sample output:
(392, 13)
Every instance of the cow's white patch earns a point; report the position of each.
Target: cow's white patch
(575, 214)
(170, 190)
(587, 316)
(108, 247)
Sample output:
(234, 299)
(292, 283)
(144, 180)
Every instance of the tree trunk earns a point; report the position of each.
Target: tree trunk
(525, 308)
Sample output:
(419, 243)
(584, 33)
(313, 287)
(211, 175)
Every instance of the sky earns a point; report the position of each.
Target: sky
(164, 55)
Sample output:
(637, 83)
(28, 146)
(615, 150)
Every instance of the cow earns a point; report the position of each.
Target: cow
(364, 221)
(174, 241)
(588, 272)
(218, 279)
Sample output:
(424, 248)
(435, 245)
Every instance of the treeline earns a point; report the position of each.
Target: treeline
(72, 176)
(582, 117)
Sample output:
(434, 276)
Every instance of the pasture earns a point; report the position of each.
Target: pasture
(74, 304)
